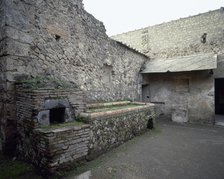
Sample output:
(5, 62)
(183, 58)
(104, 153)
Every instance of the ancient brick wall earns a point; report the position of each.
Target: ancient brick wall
(200, 33)
(45, 145)
(31, 102)
(53, 149)
(59, 38)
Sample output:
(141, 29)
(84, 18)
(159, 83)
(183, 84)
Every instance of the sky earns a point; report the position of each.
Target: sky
(121, 16)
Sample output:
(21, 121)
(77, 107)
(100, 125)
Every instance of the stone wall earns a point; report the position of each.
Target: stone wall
(218, 73)
(54, 149)
(7, 108)
(180, 37)
(59, 38)
(192, 92)
(203, 33)
(112, 128)
(29, 104)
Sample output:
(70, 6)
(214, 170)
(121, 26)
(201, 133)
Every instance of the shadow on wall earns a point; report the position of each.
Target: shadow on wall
(0, 145)
(150, 124)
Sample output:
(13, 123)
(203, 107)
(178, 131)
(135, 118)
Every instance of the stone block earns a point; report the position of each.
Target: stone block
(44, 117)
(19, 35)
(180, 115)
(2, 33)
(16, 18)
(11, 47)
(2, 66)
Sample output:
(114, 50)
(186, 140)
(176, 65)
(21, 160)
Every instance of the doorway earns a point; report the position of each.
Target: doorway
(219, 96)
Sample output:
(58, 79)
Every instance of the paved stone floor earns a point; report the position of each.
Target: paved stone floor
(219, 120)
(171, 151)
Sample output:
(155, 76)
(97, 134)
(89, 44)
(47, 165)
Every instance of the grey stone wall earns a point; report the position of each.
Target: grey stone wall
(7, 110)
(192, 92)
(179, 37)
(197, 34)
(219, 72)
(56, 147)
(59, 38)
(109, 131)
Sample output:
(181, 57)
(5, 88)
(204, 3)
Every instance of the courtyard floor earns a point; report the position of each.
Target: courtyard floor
(170, 151)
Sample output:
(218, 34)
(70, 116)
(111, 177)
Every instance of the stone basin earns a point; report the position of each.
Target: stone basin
(111, 124)
(103, 110)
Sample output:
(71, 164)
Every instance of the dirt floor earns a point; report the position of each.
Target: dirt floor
(170, 151)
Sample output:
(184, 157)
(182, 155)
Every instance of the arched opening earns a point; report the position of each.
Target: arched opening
(57, 115)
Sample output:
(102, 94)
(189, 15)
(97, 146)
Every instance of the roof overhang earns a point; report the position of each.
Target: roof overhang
(181, 64)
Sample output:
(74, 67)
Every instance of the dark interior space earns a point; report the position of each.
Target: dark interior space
(145, 93)
(57, 115)
(219, 96)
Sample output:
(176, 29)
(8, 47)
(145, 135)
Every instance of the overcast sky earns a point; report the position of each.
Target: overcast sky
(121, 16)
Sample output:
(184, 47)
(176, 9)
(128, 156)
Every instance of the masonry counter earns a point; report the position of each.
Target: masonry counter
(57, 129)
(111, 124)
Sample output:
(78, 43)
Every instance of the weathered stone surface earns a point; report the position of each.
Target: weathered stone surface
(53, 148)
(193, 35)
(43, 150)
(218, 73)
(80, 62)
(110, 131)
(43, 117)
(180, 115)
(46, 148)
(179, 37)
(61, 39)
(192, 91)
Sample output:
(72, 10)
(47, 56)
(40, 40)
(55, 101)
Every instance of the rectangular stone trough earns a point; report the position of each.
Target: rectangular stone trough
(111, 124)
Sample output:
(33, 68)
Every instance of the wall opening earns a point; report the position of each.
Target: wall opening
(107, 74)
(204, 38)
(150, 124)
(57, 115)
(219, 96)
(57, 37)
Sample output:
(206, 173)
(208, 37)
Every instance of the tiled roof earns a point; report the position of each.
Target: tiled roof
(181, 64)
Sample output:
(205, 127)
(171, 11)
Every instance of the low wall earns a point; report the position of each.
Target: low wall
(57, 146)
(112, 128)
(54, 149)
